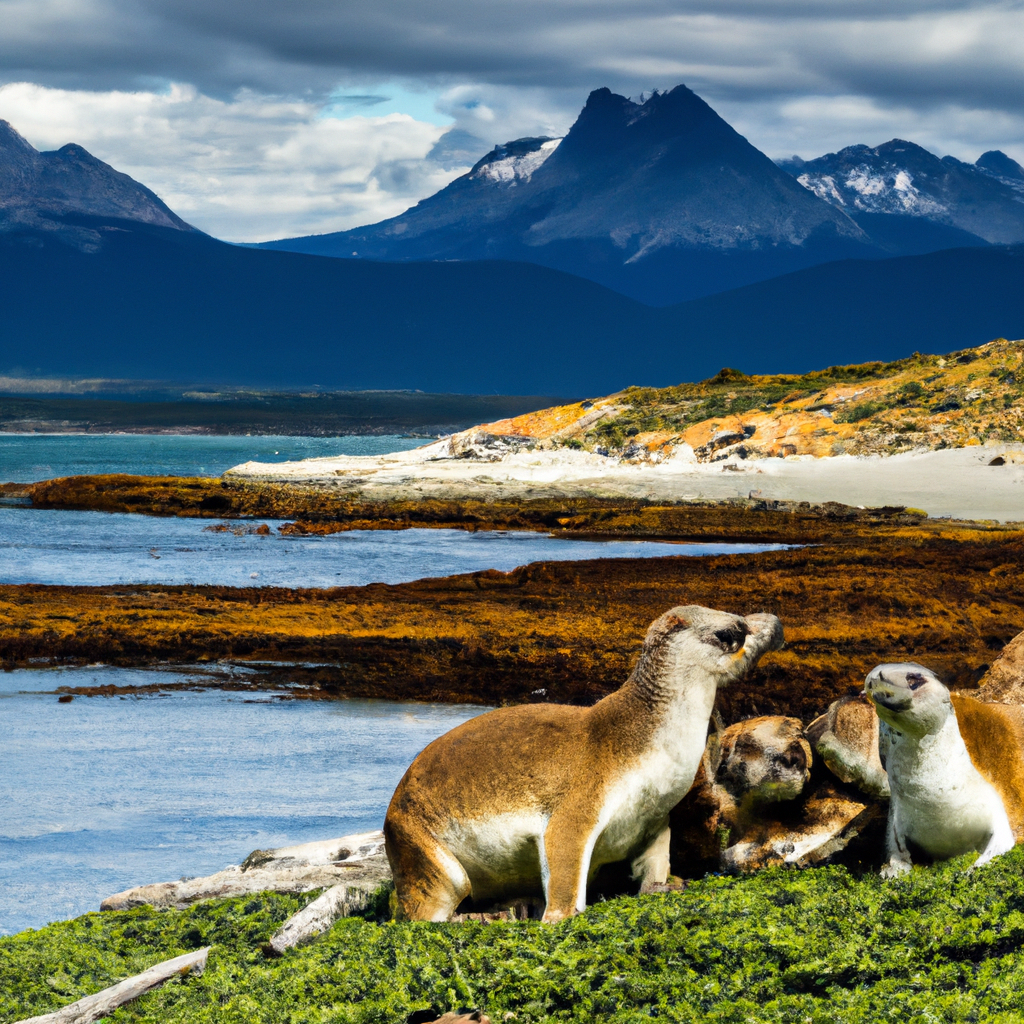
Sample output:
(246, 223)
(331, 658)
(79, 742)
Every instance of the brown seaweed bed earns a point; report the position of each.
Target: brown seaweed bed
(866, 586)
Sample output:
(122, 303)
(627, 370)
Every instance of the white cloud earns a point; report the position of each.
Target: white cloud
(814, 125)
(794, 76)
(246, 169)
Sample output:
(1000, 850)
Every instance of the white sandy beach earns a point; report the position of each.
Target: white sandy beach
(961, 482)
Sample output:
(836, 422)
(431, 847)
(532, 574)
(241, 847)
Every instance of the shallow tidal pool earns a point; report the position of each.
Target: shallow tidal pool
(104, 793)
(66, 548)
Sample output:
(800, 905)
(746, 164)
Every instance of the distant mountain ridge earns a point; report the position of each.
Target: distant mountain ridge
(905, 180)
(157, 303)
(98, 278)
(54, 191)
(661, 200)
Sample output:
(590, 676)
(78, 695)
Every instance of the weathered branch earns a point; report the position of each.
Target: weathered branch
(317, 917)
(102, 1004)
(356, 861)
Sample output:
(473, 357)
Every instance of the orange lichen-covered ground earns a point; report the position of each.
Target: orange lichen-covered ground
(866, 588)
(925, 401)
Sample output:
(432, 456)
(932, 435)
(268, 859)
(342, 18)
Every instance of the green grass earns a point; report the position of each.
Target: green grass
(782, 946)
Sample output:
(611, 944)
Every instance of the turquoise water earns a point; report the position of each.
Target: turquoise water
(26, 458)
(105, 793)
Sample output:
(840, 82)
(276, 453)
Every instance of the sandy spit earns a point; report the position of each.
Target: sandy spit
(980, 482)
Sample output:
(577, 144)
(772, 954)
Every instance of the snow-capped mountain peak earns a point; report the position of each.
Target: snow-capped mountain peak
(1003, 168)
(516, 161)
(903, 179)
(864, 187)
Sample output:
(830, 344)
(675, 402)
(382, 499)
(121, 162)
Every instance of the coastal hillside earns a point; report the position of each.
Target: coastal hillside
(971, 397)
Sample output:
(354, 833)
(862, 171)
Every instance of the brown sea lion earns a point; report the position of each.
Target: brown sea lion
(532, 800)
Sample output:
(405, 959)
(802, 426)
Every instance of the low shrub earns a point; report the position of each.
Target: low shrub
(860, 411)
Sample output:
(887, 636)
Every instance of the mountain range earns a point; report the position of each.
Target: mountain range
(664, 201)
(48, 192)
(99, 278)
(891, 188)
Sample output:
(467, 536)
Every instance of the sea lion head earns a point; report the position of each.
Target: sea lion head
(909, 698)
(764, 760)
(722, 645)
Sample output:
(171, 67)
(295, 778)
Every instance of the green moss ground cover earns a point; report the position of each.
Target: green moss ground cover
(782, 946)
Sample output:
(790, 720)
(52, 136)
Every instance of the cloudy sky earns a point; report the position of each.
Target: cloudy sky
(258, 119)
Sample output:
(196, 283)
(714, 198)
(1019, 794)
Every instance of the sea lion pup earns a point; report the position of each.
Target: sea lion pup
(745, 769)
(533, 800)
(846, 739)
(939, 802)
(759, 800)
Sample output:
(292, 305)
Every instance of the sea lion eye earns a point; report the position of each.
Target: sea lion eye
(916, 680)
(730, 638)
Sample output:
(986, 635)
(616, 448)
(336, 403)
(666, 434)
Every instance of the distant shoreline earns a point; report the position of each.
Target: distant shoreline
(978, 482)
(333, 414)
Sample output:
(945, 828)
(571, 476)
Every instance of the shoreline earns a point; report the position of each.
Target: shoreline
(855, 587)
(977, 482)
(863, 588)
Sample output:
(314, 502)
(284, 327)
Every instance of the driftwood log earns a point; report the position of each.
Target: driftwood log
(102, 1004)
(355, 861)
(338, 901)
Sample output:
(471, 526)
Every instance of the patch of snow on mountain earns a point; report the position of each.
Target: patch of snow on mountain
(512, 169)
(865, 183)
(865, 189)
(823, 187)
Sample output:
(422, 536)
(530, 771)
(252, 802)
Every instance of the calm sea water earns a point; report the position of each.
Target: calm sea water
(25, 458)
(95, 548)
(105, 792)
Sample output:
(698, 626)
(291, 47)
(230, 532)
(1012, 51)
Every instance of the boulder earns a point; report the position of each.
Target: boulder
(1003, 683)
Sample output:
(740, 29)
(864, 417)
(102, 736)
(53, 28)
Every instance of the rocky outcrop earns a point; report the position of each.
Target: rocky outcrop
(1004, 681)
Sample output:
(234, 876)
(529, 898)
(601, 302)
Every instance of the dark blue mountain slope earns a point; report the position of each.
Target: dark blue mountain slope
(159, 303)
(858, 310)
